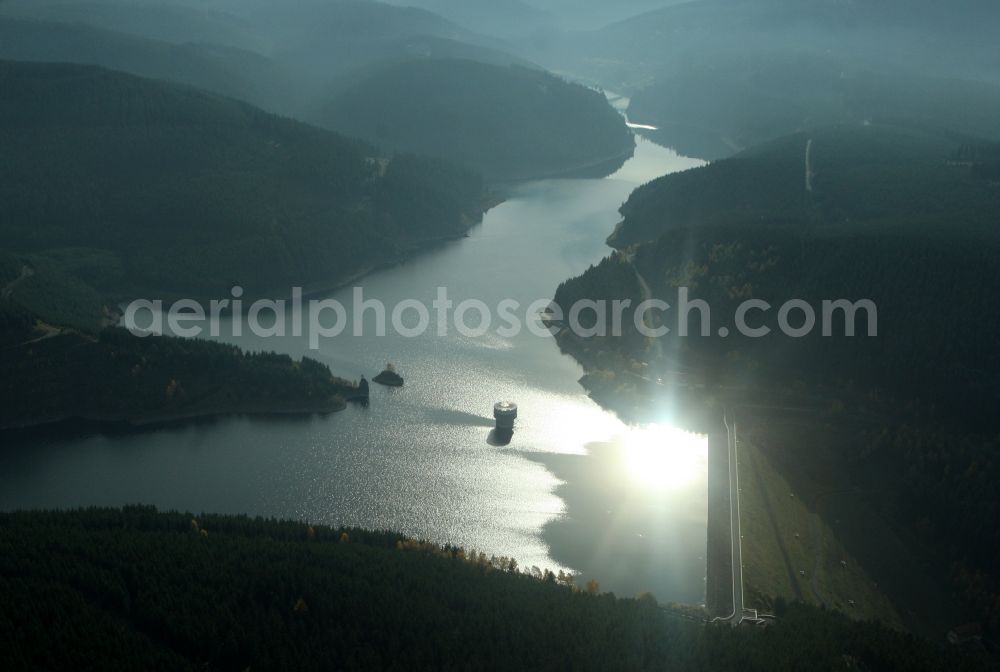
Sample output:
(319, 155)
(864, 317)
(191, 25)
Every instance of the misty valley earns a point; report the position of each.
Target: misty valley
(523, 334)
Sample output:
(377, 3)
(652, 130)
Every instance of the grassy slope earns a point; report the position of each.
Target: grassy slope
(851, 511)
(783, 536)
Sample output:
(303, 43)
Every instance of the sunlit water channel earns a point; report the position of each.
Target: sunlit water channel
(575, 488)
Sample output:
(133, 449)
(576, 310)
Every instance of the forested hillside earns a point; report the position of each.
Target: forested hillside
(173, 190)
(905, 219)
(173, 21)
(933, 294)
(916, 402)
(224, 69)
(712, 108)
(116, 187)
(54, 376)
(136, 588)
(61, 362)
(861, 178)
(325, 39)
(502, 18)
(279, 55)
(507, 122)
(931, 38)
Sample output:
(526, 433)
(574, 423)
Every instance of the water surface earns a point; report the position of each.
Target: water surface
(575, 488)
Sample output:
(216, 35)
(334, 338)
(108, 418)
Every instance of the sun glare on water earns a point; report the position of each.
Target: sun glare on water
(664, 458)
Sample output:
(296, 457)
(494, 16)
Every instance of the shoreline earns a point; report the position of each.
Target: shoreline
(313, 289)
(834, 549)
(112, 421)
(597, 486)
(153, 420)
(694, 409)
(578, 170)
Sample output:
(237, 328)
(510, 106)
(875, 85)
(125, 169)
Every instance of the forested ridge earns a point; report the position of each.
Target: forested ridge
(506, 122)
(864, 165)
(115, 377)
(743, 101)
(222, 68)
(934, 320)
(116, 187)
(137, 588)
(863, 179)
(188, 192)
(953, 40)
(906, 219)
(281, 56)
(54, 371)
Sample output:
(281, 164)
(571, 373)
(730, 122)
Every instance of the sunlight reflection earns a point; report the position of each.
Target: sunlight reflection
(578, 421)
(662, 457)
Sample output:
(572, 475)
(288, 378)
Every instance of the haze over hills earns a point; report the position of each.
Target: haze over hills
(835, 258)
(718, 76)
(902, 218)
(323, 39)
(593, 14)
(174, 22)
(267, 26)
(508, 123)
(234, 195)
(535, 20)
(861, 179)
(117, 186)
(715, 109)
(931, 38)
(227, 70)
(283, 57)
(502, 18)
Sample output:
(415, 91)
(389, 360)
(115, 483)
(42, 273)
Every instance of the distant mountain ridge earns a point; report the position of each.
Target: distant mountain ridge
(506, 122)
(192, 192)
(942, 39)
(898, 216)
(117, 187)
(160, 20)
(228, 70)
(281, 56)
(504, 18)
(711, 110)
(862, 179)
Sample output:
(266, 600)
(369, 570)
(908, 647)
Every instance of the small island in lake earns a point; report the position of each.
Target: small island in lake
(389, 377)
